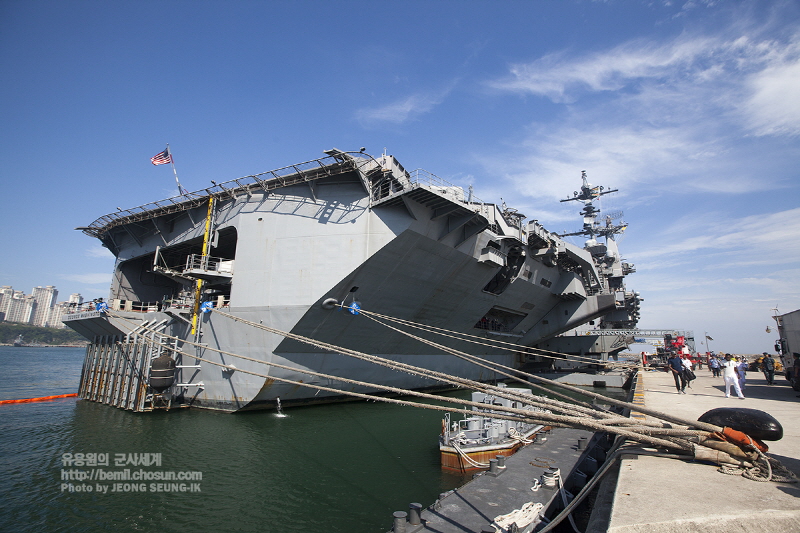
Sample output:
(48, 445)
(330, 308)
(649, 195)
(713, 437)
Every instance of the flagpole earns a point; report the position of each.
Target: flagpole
(172, 162)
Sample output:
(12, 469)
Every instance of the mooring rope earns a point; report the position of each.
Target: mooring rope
(489, 365)
(521, 414)
(463, 454)
(612, 401)
(462, 382)
(649, 432)
(521, 518)
(424, 372)
(493, 343)
(527, 398)
(764, 469)
(592, 410)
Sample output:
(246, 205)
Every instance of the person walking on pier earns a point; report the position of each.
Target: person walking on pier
(743, 367)
(768, 367)
(730, 372)
(713, 364)
(675, 365)
(687, 372)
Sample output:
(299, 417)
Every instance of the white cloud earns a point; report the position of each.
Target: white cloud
(761, 239)
(402, 110)
(749, 82)
(773, 107)
(641, 161)
(720, 273)
(563, 79)
(100, 252)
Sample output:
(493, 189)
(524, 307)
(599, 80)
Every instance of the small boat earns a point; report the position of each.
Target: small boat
(469, 444)
(19, 343)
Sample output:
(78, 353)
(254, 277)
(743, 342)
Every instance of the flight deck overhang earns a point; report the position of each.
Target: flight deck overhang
(306, 172)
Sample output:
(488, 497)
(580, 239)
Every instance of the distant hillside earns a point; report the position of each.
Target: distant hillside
(36, 335)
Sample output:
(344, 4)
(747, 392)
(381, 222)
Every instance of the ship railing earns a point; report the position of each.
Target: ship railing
(474, 429)
(180, 304)
(209, 263)
(134, 306)
(472, 436)
(337, 163)
(222, 301)
(421, 177)
(176, 304)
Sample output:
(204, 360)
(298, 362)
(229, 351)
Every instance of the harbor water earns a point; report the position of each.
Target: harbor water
(339, 467)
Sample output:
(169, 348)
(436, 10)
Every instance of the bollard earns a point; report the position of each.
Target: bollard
(550, 477)
(399, 522)
(582, 443)
(501, 461)
(414, 510)
(492, 466)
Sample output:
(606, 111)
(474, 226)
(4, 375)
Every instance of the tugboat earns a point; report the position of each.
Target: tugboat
(469, 444)
(19, 343)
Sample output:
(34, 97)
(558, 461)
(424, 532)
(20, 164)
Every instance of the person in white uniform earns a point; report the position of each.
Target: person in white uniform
(743, 366)
(730, 372)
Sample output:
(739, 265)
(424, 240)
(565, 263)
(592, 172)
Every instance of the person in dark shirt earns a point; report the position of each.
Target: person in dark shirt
(675, 365)
(713, 364)
(768, 366)
(795, 371)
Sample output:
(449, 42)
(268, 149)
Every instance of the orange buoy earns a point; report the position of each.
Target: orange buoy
(42, 399)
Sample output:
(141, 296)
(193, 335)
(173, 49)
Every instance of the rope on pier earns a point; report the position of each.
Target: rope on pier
(763, 469)
(516, 435)
(522, 517)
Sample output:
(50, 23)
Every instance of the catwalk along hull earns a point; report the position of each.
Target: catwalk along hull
(289, 248)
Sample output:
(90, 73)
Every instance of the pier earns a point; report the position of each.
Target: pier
(656, 494)
(639, 492)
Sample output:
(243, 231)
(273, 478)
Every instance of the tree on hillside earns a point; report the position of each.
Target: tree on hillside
(36, 335)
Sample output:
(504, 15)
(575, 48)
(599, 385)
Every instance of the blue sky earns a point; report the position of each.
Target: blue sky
(690, 108)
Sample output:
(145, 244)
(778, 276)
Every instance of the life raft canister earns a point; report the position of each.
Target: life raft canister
(162, 373)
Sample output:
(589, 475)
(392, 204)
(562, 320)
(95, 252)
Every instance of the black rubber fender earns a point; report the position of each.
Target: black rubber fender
(753, 422)
(162, 373)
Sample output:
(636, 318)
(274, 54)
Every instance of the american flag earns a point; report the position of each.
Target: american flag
(162, 158)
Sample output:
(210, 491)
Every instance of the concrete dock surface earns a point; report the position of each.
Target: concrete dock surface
(656, 494)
